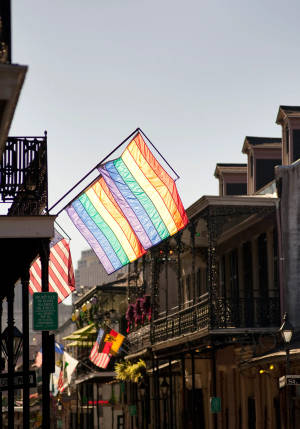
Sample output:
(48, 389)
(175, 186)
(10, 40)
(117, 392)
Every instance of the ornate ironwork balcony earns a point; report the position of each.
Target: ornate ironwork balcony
(139, 339)
(254, 312)
(23, 175)
(185, 321)
(243, 313)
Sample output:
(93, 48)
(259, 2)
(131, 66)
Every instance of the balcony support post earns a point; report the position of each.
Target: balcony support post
(212, 227)
(179, 288)
(10, 353)
(193, 389)
(183, 419)
(25, 328)
(155, 372)
(167, 278)
(155, 268)
(192, 229)
(171, 393)
(44, 255)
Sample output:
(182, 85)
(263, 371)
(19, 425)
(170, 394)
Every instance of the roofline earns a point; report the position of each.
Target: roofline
(229, 200)
(247, 144)
(230, 168)
(281, 115)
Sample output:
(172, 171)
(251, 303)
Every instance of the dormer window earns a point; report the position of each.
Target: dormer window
(264, 153)
(232, 179)
(296, 145)
(289, 119)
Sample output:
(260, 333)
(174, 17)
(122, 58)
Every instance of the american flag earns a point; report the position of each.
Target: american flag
(102, 358)
(61, 274)
(61, 383)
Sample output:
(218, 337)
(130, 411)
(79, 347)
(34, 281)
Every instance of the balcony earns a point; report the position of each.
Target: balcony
(24, 218)
(242, 314)
(23, 176)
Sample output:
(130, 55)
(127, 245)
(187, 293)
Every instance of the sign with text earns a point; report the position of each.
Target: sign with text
(289, 380)
(45, 311)
(18, 380)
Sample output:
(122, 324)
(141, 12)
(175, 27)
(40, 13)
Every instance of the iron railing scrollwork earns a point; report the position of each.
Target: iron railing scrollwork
(244, 313)
(185, 321)
(23, 175)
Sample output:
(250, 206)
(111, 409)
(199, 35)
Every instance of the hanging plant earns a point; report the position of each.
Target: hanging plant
(129, 317)
(127, 371)
(146, 307)
(138, 312)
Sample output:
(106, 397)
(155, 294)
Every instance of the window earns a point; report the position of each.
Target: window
(236, 188)
(287, 138)
(263, 265)
(265, 172)
(222, 274)
(296, 144)
(234, 278)
(188, 287)
(275, 259)
(247, 269)
(248, 284)
(198, 283)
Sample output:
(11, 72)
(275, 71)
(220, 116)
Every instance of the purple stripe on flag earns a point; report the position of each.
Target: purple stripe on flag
(90, 239)
(126, 209)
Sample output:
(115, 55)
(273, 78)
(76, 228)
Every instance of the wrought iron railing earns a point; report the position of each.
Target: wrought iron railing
(139, 339)
(257, 312)
(23, 175)
(254, 312)
(185, 321)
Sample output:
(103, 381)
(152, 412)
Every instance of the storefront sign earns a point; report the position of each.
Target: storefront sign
(215, 404)
(45, 311)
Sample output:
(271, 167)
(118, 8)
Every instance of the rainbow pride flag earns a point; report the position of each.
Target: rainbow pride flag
(99, 219)
(145, 193)
(133, 206)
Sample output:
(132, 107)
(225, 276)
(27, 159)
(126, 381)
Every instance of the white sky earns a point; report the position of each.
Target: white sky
(196, 76)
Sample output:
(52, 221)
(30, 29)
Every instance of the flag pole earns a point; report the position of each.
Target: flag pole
(91, 171)
(101, 162)
(62, 230)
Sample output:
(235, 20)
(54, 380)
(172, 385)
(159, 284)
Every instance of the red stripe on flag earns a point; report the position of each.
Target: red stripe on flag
(61, 273)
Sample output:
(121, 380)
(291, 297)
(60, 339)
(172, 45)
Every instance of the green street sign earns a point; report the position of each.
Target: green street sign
(215, 404)
(45, 311)
(132, 410)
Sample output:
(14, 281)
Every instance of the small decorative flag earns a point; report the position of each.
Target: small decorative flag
(100, 353)
(61, 274)
(70, 365)
(59, 348)
(115, 339)
(54, 381)
(60, 384)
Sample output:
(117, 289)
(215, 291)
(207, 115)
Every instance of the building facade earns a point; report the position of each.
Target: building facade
(219, 289)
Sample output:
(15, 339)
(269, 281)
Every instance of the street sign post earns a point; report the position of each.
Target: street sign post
(289, 380)
(45, 311)
(18, 380)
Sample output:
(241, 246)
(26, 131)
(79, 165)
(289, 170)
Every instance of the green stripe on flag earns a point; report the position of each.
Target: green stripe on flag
(143, 198)
(106, 230)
